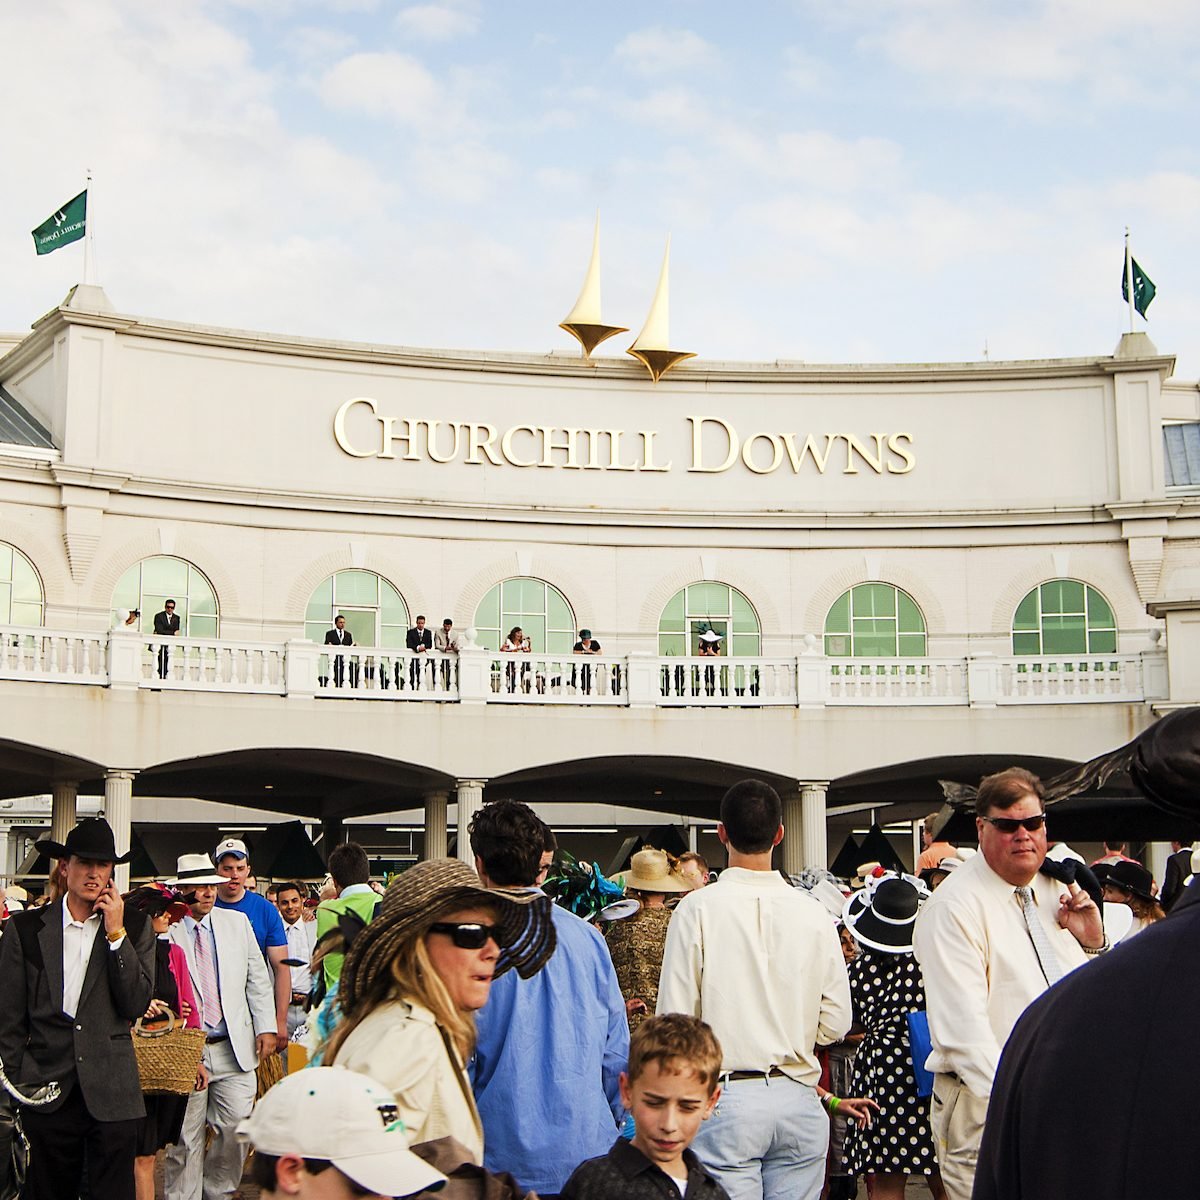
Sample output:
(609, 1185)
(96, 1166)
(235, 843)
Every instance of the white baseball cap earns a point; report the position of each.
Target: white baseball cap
(345, 1118)
(230, 846)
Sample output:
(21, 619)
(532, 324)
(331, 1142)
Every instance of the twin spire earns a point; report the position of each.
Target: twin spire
(652, 345)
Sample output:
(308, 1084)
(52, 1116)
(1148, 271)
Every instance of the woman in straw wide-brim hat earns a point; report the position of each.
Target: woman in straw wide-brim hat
(413, 980)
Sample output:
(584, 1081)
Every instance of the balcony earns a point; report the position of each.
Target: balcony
(127, 660)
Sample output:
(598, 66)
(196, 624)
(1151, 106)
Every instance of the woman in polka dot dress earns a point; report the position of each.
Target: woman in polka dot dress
(886, 985)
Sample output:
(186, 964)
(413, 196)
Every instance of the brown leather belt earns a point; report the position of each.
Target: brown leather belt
(773, 1073)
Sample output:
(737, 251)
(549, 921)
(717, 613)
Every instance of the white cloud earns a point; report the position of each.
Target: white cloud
(394, 86)
(436, 22)
(660, 51)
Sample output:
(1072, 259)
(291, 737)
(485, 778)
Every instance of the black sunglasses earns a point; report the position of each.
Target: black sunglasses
(469, 935)
(1012, 824)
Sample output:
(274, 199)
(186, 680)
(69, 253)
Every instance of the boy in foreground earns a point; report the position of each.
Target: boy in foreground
(670, 1088)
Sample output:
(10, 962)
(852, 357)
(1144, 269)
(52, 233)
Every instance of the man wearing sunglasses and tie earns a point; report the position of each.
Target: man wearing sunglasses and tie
(990, 940)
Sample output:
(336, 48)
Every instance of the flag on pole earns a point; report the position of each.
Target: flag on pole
(1143, 286)
(67, 225)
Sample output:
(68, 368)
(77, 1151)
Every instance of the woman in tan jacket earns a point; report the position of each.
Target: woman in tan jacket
(413, 980)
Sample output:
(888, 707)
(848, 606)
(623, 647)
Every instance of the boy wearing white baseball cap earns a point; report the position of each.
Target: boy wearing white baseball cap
(332, 1134)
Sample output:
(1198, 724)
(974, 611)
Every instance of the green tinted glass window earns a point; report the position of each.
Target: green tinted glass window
(375, 612)
(875, 620)
(149, 584)
(21, 599)
(538, 607)
(357, 587)
(1064, 616)
(708, 604)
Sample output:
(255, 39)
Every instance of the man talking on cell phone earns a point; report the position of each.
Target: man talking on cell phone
(73, 975)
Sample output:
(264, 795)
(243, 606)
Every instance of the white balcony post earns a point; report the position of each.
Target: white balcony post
(1155, 681)
(983, 680)
(435, 823)
(812, 680)
(474, 676)
(63, 811)
(300, 659)
(641, 679)
(470, 801)
(118, 811)
(125, 658)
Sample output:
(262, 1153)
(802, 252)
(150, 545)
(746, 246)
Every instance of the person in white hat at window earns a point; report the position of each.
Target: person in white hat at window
(332, 1134)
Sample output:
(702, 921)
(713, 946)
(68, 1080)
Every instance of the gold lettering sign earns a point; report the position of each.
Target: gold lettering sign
(361, 431)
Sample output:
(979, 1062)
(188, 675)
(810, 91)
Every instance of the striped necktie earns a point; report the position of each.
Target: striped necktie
(210, 995)
(1042, 947)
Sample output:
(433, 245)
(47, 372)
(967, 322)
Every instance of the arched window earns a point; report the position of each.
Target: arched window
(1064, 616)
(21, 600)
(375, 612)
(148, 584)
(709, 605)
(875, 620)
(538, 607)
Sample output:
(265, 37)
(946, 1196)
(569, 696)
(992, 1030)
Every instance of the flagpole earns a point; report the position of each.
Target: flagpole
(1129, 277)
(89, 248)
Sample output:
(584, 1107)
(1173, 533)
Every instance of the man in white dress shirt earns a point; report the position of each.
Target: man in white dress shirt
(301, 940)
(237, 1011)
(990, 940)
(760, 962)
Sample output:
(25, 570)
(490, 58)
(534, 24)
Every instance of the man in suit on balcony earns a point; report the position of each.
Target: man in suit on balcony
(419, 641)
(166, 624)
(339, 635)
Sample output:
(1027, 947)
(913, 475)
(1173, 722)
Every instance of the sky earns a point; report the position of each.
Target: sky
(865, 181)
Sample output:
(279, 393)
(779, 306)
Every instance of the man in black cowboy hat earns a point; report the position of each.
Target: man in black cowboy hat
(73, 975)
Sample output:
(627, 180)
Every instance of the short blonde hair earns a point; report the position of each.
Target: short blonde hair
(677, 1043)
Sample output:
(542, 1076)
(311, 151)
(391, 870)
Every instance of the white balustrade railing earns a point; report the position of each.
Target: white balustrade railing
(53, 655)
(187, 664)
(384, 673)
(898, 681)
(126, 658)
(695, 682)
(530, 678)
(1071, 679)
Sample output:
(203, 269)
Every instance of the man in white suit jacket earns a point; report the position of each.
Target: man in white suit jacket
(237, 1011)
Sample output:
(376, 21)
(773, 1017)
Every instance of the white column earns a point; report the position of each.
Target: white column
(470, 801)
(813, 833)
(118, 811)
(435, 823)
(792, 851)
(63, 816)
(5, 868)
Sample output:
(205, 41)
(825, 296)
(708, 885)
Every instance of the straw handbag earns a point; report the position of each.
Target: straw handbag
(167, 1058)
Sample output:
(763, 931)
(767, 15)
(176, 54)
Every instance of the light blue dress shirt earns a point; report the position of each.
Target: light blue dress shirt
(548, 1061)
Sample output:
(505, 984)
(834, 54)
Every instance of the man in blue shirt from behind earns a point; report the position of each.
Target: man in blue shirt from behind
(551, 1048)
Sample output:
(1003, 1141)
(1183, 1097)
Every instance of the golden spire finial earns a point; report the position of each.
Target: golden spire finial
(583, 321)
(651, 348)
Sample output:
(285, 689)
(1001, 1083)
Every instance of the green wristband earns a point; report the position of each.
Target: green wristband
(833, 1103)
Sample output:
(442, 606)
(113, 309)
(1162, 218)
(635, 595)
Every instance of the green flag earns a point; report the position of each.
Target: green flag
(1143, 288)
(67, 225)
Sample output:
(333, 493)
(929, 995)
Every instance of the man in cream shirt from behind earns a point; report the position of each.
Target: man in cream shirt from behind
(989, 941)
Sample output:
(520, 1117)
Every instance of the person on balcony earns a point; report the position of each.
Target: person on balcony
(586, 645)
(709, 647)
(339, 635)
(166, 624)
(446, 641)
(420, 641)
(517, 643)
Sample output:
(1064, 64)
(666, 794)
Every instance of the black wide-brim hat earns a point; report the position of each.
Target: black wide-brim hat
(885, 922)
(1131, 877)
(89, 839)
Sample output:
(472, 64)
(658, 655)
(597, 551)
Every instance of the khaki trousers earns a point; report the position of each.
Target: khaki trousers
(957, 1118)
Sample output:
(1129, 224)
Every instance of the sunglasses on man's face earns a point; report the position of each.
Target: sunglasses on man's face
(468, 935)
(1012, 824)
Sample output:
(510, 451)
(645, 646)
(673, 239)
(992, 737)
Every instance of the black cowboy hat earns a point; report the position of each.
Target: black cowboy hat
(1131, 877)
(89, 839)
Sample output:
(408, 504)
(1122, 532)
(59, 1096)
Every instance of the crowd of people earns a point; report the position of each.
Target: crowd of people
(531, 1027)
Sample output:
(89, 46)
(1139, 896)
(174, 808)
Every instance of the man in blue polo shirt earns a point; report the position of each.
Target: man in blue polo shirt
(234, 863)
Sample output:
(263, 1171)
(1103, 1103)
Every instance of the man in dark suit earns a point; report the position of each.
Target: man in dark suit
(339, 635)
(420, 641)
(73, 975)
(166, 624)
(1179, 869)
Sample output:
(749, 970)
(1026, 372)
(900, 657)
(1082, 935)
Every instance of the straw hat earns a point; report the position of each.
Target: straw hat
(649, 871)
(416, 899)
